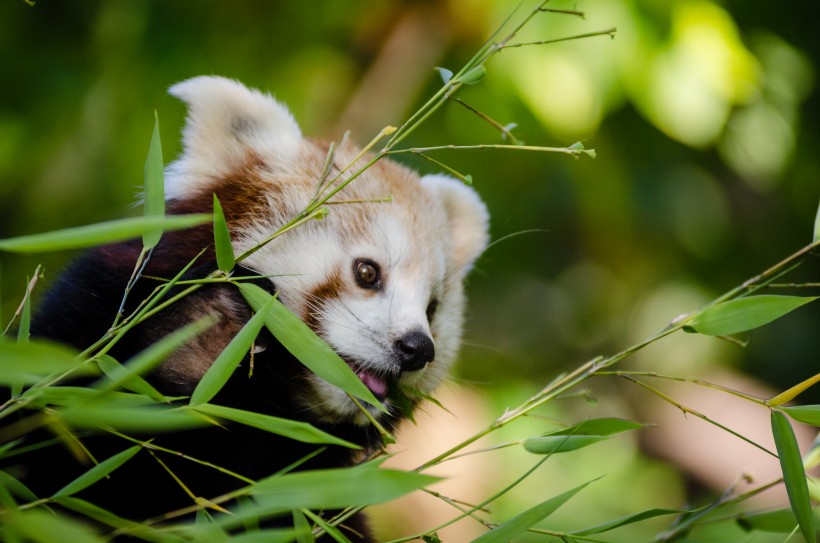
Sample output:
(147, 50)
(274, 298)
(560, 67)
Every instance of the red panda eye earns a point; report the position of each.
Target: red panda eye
(367, 274)
(431, 310)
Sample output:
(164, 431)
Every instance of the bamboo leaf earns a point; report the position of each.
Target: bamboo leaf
(300, 431)
(306, 346)
(629, 519)
(99, 234)
(40, 526)
(599, 427)
(137, 418)
(332, 531)
(529, 518)
(793, 474)
(474, 75)
(103, 469)
(153, 186)
(16, 487)
(816, 237)
(28, 363)
(67, 396)
(325, 489)
(790, 394)
(99, 514)
(301, 523)
(560, 444)
(810, 414)
(227, 361)
(780, 521)
(152, 356)
(744, 314)
(135, 383)
(222, 239)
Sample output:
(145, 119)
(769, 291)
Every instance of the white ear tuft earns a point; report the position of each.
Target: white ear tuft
(467, 214)
(226, 123)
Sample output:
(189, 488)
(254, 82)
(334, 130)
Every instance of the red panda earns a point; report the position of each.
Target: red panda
(380, 280)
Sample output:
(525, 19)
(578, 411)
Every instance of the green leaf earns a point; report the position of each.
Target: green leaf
(744, 314)
(227, 361)
(222, 240)
(332, 531)
(628, 519)
(579, 435)
(793, 474)
(152, 356)
(560, 444)
(780, 521)
(153, 186)
(99, 234)
(306, 346)
(137, 418)
(28, 363)
(529, 518)
(816, 237)
(135, 383)
(41, 526)
(301, 523)
(300, 431)
(102, 516)
(474, 75)
(103, 469)
(66, 396)
(327, 489)
(16, 487)
(810, 414)
(273, 535)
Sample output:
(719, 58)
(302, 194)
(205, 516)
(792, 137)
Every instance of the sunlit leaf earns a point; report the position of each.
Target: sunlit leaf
(66, 396)
(300, 431)
(628, 519)
(27, 363)
(793, 474)
(810, 414)
(744, 314)
(780, 521)
(41, 526)
(152, 356)
(103, 469)
(222, 240)
(599, 427)
(793, 392)
(529, 518)
(103, 516)
(306, 346)
(99, 234)
(153, 186)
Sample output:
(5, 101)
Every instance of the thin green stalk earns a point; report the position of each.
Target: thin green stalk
(564, 150)
(739, 394)
(607, 32)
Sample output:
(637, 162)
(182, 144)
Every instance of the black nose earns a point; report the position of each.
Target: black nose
(414, 351)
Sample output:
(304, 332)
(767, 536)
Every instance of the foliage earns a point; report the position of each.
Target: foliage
(123, 402)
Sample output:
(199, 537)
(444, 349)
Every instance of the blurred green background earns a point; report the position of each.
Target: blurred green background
(705, 116)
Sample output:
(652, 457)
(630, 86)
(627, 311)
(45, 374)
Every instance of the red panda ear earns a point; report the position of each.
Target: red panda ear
(227, 125)
(467, 216)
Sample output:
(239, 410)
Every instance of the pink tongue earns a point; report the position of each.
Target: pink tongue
(377, 385)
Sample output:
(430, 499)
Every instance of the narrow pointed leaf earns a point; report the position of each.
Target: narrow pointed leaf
(744, 314)
(40, 526)
(629, 519)
(779, 521)
(154, 355)
(99, 234)
(136, 418)
(790, 394)
(793, 474)
(816, 237)
(107, 518)
(560, 444)
(222, 239)
(67, 396)
(526, 520)
(332, 531)
(103, 469)
(301, 523)
(135, 383)
(599, 427)
(153, 186)
(16, 487)
(306, 346)
(809, 414)
(227, 361)
(28, 363)
(300, 431)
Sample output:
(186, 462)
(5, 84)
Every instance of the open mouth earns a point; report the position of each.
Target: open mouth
(377, 384)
